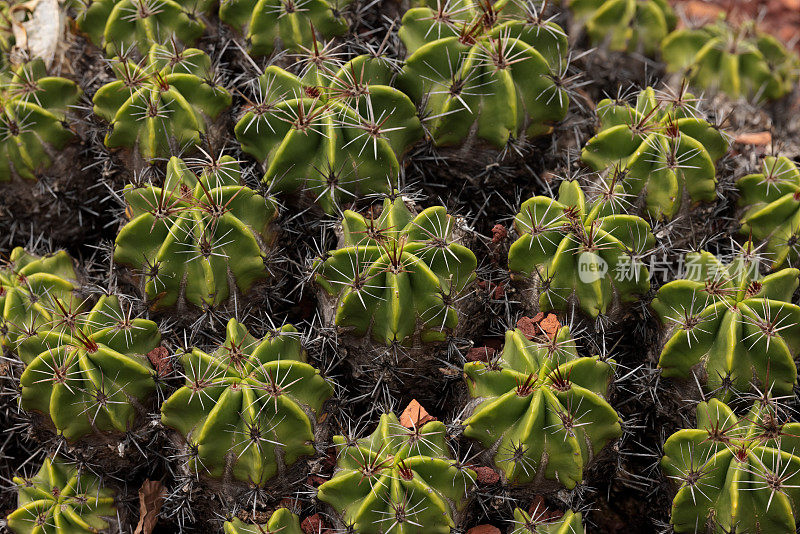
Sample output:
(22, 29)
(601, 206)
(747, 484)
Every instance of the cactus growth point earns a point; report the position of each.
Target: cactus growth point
(59, 499)
(582, 252)
(541, 408)
(249, 409)
(331, 135)
(398, 275)
(197, 235)
(662, 146)
(162, 104)
(735, 474)
(29, 287)
(772, 202)
(398, 478)
(292, 25)
(737, 60)
(476, 76)
(282, 521)
(86, 370)
(738, 325)
(117, 26)
(537, 522)
(33, 109)
(626, 25)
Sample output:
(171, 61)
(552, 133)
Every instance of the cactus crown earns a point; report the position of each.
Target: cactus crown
(33, 110)
(85, 369)
(626, 25)
(61, 499)
(293, 24)
(735, 323)
(248, 410)
(772, 203)
(30, 286)
(588, 253)
(661, 147)
(118, 26)
(738, 60)
(492, 68)
(195, 234)
(333, 133)
(282, 521)
(541, 408)
(398, 477)
(396, 275)
(162, 104)
(735, 473)
(541, 522)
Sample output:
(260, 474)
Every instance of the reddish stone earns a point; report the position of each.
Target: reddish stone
(550, 325)
(480, 354)
(313, 525)
(499, 233)
(527, 326)
(414, 416)
(486, 475)
(499, 291)
(315, 480)
(484, 529)
(159, 357)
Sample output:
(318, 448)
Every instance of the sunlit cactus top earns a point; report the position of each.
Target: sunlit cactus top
(735, 473)
(60, 499)
(33, 125)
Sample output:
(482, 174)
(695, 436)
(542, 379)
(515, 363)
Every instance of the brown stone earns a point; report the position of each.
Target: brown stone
(550, 325)
(159, 357)
(499, 233)
(480, 354)
(484, 529)
(527, 326)
(414, 416)
(313, 525)
(486, 475)
(755, 138)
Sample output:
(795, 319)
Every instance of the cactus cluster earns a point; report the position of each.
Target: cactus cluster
(198, 238)
(582, 253)
(397, 277)
(661, 148)
(541, 409)
(248, 410)
(738, 60)
(738, 325)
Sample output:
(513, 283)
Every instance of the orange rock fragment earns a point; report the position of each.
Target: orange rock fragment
(755, 138)
(414, 416)
(484, 529)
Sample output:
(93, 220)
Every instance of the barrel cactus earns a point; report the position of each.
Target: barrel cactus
(541, 409)
(61, 499)
(248, 410)
(533, 523)
(737, 60)
(626, 25)
(771, 200)
(293, 25)
(397, 479)
(333, 134)
(735, 474)
(738, 325)
(163, 104)
(484, 79)
(117, 26)
(86, 371)
(33, 108)
(196, 236)
(396, 277)
(578, 252)
(30, 285)
(663, 146)
(281, 521)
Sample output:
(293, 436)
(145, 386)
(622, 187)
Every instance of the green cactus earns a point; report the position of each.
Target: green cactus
(477, 75)
(292, 24)
(29, 287)
(662, 146)
(735, 474)
(772, 202)
(161, 105)
(525, 523)
(60, 499)
(117, 26)
(333, 134)
(397, 275)
(733, 322)
(582, 252)
(248, 410)
(541, 408)
(196, 236)
(626, 25)
(282, 521)
(737, 60)
(85, 369)
(398, 478)
(33, 110)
